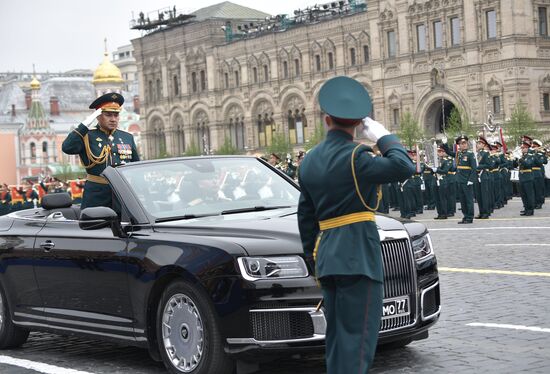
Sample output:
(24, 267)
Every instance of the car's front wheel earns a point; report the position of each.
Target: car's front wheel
(188, 335)
(11, 336)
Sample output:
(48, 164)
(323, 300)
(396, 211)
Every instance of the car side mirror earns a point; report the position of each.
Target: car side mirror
(97, 218)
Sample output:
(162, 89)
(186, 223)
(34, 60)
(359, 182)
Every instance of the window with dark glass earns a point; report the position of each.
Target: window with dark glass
(396, 117)
(317, 63)
(330, 61)
(352, 56)
(496, 104)
(420, 38)
(194, 81)
(159, 89)
(203, 80)
(543, 22)
(491, 20)
(546, 101)
(438, 34)
(237, 82)
(366, 56)
(285, 69)
(455, 31)
(297, 67)
(255, 74)
(226, 80)
(266, 74)
(176, 86)
(391, 43)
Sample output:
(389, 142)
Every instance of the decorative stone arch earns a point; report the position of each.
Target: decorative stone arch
(156, 134)
(236, 72)
(262, 120)
(544, 95)
(253, 70)
(351, 52)
(317, 64)
(177, 129)
(265, 63)
(296, 65)
(234, 125)
(174, 75)
(284, 63)
(364, 46)
(495, 89)
(435, 105)
(201, 124)
(294, 114)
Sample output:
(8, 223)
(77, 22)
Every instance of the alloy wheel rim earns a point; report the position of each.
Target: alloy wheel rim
(182, 333)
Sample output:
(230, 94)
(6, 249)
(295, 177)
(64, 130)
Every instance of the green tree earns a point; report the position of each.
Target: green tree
(279, 145)
(317, 137)
(409, 131)
(227, 148)
(458, 123)
(520, 123)
(67, 172)
(192, 150)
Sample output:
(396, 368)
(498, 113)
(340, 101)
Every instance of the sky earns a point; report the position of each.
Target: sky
(62, 35)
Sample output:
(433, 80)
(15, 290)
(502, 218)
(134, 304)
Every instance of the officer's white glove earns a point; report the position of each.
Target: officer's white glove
(469, 183)
(373, 130)
(90, 119)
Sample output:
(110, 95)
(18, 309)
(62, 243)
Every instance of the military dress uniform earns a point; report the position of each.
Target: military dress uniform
(442, 187)
(482, 184)
(340, 191)
(97, 150)
(5, 202)
(429, 191)
(540, 160)
(466, 176)
(526, 183)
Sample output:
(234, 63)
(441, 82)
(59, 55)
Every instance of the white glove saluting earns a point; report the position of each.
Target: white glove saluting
(90, 119)
(373, 130)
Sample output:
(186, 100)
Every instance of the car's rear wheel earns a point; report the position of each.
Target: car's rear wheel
(11, 336)
(188, 334)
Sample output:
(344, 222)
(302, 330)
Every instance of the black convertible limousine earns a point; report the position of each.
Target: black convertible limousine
(201, 263)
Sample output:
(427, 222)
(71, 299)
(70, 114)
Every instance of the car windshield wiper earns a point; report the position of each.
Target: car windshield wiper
(254, 209)
(185, 216)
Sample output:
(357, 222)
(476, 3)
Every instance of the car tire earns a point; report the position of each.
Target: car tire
(188, 334)
(11, 336)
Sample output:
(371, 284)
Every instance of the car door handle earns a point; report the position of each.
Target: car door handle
(47, 246)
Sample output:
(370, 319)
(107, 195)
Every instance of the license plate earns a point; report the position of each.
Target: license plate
(396, 307)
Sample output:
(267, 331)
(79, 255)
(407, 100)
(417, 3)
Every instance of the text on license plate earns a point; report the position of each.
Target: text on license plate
(398, 306)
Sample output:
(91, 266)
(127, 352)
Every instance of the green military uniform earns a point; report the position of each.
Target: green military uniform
(526, 182)
(5, 202)
(340, 190)
(442, 187)
(429, 191)
(97, 150)
(451, 186)
(483, 183)
(540, 160)
(466, 176)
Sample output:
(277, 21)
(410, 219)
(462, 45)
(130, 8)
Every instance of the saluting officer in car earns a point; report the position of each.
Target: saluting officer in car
(100, 146)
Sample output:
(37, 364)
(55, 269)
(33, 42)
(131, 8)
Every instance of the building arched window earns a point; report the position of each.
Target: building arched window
(159, 89)
(203, 80)
(266, 74)
(194, 82)
(176, 85)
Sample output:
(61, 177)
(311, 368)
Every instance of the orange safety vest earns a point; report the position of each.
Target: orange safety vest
(76, 190)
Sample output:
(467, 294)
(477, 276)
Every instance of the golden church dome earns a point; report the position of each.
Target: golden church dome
(35, 84)
(107, 72)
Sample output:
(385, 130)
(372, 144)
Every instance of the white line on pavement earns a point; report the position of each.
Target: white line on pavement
(513, 327)
(38, 366)
(491, 228)
(517, 245)
(494, 271)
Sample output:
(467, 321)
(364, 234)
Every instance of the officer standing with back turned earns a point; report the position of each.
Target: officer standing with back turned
(101, 146)
(340, 191)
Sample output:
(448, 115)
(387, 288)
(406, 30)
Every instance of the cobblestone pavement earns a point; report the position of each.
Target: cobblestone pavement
(508, 242)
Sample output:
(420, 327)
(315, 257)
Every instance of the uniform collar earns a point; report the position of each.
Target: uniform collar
(338, 134)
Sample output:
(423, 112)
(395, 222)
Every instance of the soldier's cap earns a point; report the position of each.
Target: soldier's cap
(498, 143)
(345, 98)
(110, 102)
(441, 148)
(275, 155)
(526, 144)
(411, 151)
(481, 139)
(526, 138)
(461, 138)
(537, 142)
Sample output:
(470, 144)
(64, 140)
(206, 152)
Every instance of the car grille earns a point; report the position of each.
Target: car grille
(281, 325)
(399, 280)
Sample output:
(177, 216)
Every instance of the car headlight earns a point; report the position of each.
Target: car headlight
(256, 268)
(422, 247)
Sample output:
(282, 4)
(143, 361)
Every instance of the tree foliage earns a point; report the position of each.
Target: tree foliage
(279, 145)
(409, 131)
(227, 148)
(317, 137)
(458, 123)
(193, 150)
(67, 172)
(520, 123)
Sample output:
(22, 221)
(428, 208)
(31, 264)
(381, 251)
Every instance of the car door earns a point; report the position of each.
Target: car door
(82, 277)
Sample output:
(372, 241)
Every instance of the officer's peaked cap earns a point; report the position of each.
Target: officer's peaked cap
(110, 102)
(461, 138)
(345, 98)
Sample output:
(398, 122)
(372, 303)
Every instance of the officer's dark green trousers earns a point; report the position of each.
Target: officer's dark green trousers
(466, 194)
(453, 192)
(353, 308)
(441, 198)
(96, 194)
(482, 193)
(538, 181)
(527, 190)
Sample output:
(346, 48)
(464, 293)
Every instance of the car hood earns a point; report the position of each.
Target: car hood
(259, 233)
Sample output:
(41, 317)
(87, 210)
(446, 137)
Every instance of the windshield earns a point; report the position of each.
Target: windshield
(208, 186)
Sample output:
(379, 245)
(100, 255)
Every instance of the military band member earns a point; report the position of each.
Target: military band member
(5, 200)
(340, 192)
(442, 186)
(101, 146)
(274, 160)
(466, 176)
(526, 179)
(538, 172)
(482, 183)
(429, 183)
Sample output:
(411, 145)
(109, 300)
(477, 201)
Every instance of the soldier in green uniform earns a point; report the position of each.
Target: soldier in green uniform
(5, 199)
(101, 146)
(340, 191)
(526, 179)
(538, 172)
(482, 183)
(441, 189)
(466, 176)
(429, 191)
(451, 186)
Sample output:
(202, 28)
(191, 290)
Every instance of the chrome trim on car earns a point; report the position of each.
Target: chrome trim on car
(317, 317)
(423, 293)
